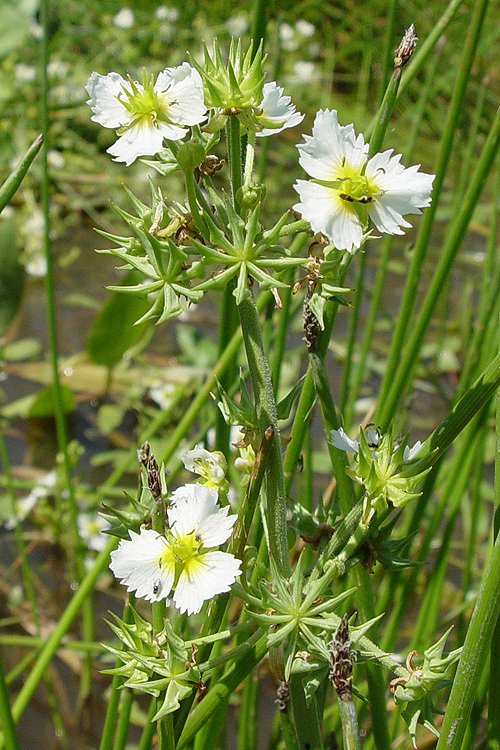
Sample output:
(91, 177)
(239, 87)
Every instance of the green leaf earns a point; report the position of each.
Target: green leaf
(113, 330)
(285, 405)
(22, 349)
(43, 404)
(109, 417)
(11, 275)
(12, 182)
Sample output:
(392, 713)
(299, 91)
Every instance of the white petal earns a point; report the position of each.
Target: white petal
(404, 191)
(331, 146)
(183, 90)
(142, 139)
(410, 453)
(343, 442)
(213, 574)
(279, 108)
(138, 564)
(327, 213)
(104, 90)
(196, 510)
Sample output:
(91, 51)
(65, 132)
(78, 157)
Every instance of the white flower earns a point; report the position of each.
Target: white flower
(23, 72)
(304, 71)
(144, 114)
(211, 466)
(166, 13)
(55, 159)
(343, 442)
(304, 28)
(91, 526)
(124, 19)
(278, 112)
(347, 189)
(236, 26)
(288, 37)
(24, 506)
(184, 560)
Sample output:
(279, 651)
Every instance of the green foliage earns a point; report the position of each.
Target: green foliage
(114, 330)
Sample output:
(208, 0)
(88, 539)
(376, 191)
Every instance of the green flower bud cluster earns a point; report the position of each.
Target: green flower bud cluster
(157, 666)
(415, 690)
(235, 86)
(387, 479)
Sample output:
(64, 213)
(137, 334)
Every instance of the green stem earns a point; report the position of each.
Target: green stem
(234, 156)
(259, 23)
(11, 184)
(494, 688)
(252, 652)
(6, 720)
(265, 405)
(374, 676)
(347, 495)
(306, 719)
(114, 707)
(126, 700)
(474, 654)
(388, 50)
(308, 393)
(349, 721)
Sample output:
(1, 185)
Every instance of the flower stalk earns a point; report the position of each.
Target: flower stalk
(265, 405)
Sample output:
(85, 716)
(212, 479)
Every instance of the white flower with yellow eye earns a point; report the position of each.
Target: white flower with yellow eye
(347, 189)
(184, 560)
(144, 114)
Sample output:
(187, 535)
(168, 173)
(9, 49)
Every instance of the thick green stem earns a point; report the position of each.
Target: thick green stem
(265, 405)
(474, 654)
(349, 721)
(306, 720)
(9, 729)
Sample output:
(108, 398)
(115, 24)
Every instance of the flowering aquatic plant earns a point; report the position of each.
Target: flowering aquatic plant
(184, 559)
(216, 240)
(347, 189)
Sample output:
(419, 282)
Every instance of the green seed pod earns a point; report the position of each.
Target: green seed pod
(248, 196)
(190, 155)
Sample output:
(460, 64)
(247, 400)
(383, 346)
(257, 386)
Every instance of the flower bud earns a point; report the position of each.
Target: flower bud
(248, 196)
(190, 155)
(236, 85)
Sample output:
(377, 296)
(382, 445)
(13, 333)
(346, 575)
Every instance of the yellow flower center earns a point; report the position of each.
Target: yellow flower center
(144, 106)
(352, 188)
(357, 188)
(182, 554)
